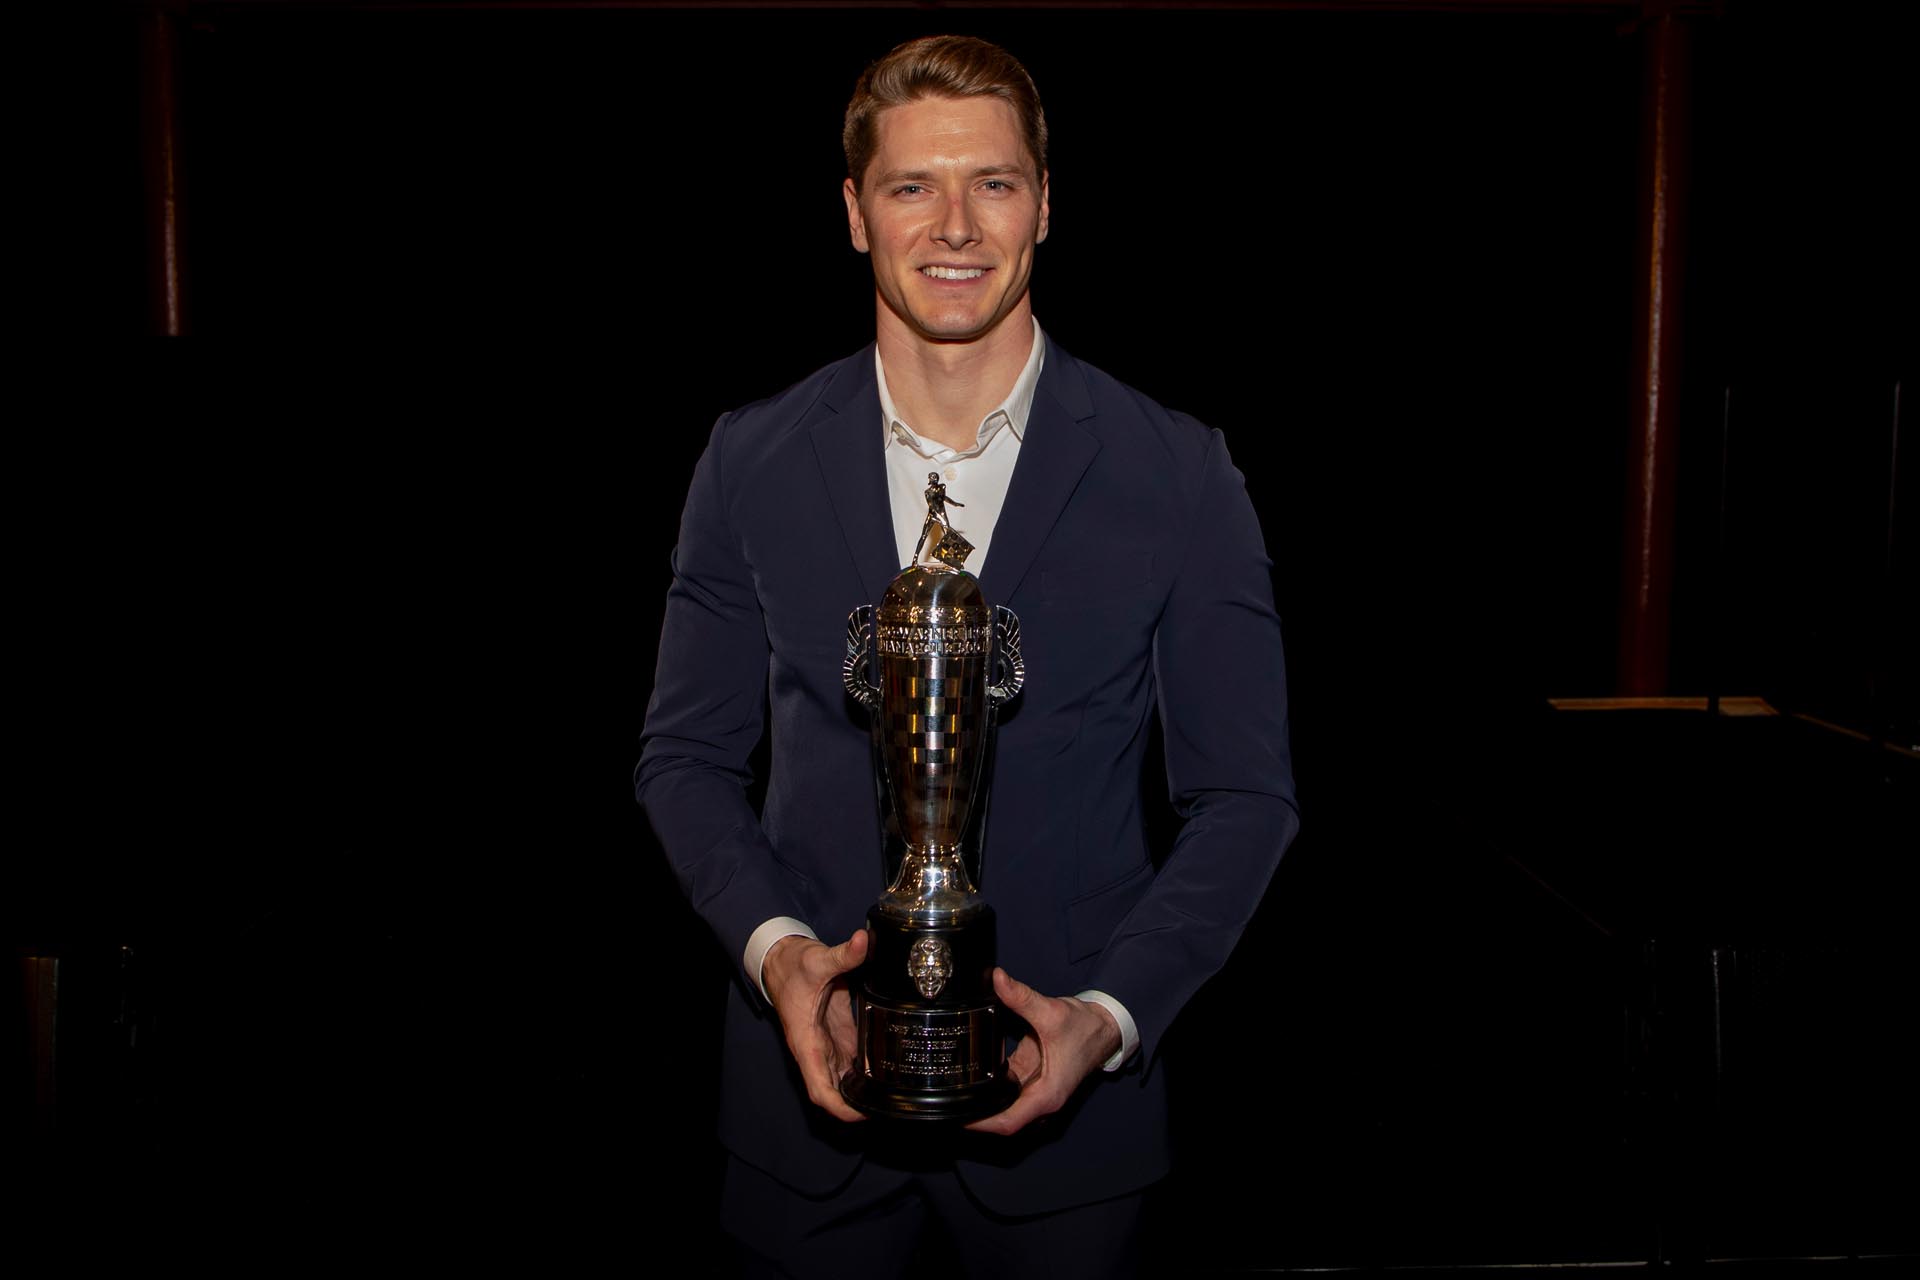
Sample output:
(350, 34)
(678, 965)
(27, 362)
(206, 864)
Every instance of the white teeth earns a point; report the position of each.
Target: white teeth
(954, 273)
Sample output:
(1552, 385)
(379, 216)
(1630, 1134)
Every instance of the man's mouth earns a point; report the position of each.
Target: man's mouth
(953, 273)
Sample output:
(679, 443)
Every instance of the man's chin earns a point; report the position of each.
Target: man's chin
(951, 329)
(952, 339)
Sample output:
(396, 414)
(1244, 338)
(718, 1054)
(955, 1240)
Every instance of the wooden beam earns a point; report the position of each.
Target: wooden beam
(160, 164)
(1647, 563)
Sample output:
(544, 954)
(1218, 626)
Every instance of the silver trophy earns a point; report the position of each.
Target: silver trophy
(930, 1042)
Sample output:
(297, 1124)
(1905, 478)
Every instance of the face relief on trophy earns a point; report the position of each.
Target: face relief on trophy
(930, 963)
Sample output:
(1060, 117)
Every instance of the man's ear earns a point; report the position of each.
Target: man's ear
(856, 225)
(1041, 233)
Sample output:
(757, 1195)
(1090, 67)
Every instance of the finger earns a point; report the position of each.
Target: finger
(1028, 1107)
(1015, 994)
(813, 1049)
(850, 954)
(838, 1010)
(846, 1047)
(1043, 1013)
(827, 1042)
(1037, 1097)
(841, 1026)
(823, 1085)
(1026, 1060)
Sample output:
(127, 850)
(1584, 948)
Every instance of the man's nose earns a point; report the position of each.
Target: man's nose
(955, 226)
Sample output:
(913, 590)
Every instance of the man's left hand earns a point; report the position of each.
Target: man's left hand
(1069, 1041)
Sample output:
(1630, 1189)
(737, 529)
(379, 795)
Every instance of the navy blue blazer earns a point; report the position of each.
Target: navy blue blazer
(1129, 550)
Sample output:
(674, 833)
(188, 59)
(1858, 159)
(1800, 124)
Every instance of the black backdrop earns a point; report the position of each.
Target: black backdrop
(343, 622)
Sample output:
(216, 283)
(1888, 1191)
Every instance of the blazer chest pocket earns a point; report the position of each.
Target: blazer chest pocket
(1092, 918)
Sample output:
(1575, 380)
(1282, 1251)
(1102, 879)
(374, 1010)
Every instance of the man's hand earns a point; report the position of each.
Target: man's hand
(807, 983)
(1070, 1039)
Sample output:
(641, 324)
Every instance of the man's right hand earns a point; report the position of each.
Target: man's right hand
(807, 983)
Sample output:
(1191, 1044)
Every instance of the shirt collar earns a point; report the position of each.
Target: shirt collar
(1011, 412)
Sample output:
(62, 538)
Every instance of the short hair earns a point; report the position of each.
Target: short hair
(940, 67)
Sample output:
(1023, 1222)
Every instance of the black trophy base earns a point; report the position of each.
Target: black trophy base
(893, 1102)
(941, 1056)
(929, 1064)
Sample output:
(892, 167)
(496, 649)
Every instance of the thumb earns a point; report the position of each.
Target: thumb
(850, 954)
(1017, 995)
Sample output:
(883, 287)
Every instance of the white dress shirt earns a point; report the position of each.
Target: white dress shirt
(977, 478)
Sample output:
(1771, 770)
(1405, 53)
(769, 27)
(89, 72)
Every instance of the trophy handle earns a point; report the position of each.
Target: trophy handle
(1012, 673)
(854, 667)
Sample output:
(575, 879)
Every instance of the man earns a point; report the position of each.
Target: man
(1122, 536)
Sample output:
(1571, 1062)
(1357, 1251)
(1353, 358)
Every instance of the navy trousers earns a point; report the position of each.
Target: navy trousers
(888, 1219)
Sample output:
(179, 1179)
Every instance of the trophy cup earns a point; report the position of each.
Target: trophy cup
(930, 1044)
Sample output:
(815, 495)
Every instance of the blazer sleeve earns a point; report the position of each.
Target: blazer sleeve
(1220, 680)
(705, 719)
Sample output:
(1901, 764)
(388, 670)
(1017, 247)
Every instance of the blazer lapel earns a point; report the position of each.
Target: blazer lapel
(1054, 454)
(847, 443)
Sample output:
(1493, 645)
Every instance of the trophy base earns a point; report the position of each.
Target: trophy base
(922, 1060)
(931, 1035)
(897, 1102)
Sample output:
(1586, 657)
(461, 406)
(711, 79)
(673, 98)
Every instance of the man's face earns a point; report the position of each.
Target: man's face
(950, 210)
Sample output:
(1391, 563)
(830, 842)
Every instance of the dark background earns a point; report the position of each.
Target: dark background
(339, 620)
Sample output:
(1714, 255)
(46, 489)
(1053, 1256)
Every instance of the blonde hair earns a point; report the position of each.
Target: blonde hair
(940, 67)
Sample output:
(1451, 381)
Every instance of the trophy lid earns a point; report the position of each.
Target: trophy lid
(930, 610)
(933, 586)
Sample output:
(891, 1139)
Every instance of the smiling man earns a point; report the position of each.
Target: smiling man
(951, 207)
(1122, 536)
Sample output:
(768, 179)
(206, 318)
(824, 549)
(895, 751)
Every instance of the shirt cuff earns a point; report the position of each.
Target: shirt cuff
(1129, 1033)
(754, 959)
